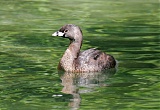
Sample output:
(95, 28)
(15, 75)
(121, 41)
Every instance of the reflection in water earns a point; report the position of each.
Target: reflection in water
(73, 81)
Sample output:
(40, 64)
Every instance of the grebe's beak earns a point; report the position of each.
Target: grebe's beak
(58, 33)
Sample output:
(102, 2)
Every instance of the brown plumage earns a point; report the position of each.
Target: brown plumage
(73, 60)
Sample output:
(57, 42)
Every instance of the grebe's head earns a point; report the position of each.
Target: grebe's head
(69, 31)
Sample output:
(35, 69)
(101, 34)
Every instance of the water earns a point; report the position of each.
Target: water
(129, 30)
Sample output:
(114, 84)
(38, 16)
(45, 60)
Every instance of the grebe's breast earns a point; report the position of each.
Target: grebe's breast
(94, 60)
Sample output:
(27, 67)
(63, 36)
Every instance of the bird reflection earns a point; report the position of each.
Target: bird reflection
(74, 82)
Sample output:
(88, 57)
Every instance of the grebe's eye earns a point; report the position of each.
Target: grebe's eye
(66, 30)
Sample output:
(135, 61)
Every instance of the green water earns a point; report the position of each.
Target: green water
(127, 29)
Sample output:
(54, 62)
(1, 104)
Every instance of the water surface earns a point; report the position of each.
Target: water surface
(129, 30)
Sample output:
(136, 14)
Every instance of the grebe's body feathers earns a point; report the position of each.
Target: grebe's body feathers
(94, 60)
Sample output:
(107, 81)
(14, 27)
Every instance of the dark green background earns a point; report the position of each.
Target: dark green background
(127, 29)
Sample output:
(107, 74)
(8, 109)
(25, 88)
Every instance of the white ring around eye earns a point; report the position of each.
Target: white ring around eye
(66, 30)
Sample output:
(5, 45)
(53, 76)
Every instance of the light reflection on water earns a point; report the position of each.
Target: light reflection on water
(129, 30)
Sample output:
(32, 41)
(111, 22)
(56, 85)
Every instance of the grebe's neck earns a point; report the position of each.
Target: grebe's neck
(70, 55)
(74, 47)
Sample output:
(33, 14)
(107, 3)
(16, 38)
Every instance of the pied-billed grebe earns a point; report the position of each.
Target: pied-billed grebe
(73, 60)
